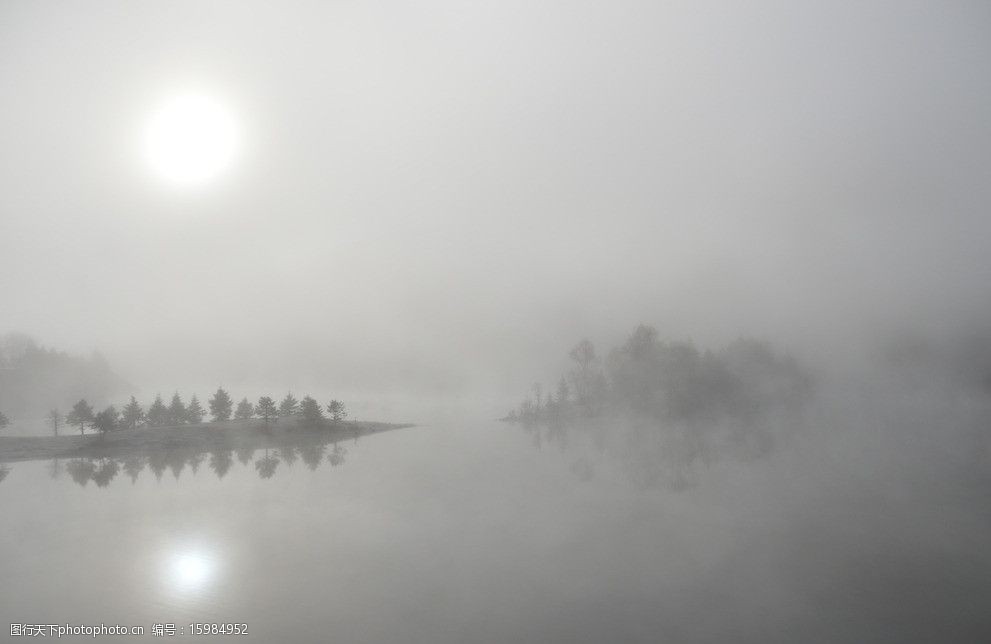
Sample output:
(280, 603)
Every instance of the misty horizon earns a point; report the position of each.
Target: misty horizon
(445, 201)
(488, 322)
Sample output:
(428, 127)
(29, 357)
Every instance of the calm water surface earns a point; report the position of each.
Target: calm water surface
(485, 532)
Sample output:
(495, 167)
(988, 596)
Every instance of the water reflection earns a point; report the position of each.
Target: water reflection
(158, 461)
(177, 462)
(132, 467)
(105, 472)
(337, 454)
(102, 471)
(55, 468)
(221, 461)
(288, 455)
(673, 455)
(194, 462)
(312, 455)
(244, 453)
(191, 570)
(81, 470)
(266, 465)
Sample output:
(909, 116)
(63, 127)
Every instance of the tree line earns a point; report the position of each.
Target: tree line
(34, 377)
(221, 408)
(670, 380)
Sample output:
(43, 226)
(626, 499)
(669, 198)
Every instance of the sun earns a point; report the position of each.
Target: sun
(191, 140)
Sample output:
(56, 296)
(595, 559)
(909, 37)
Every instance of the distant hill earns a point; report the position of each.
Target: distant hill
(34, 378)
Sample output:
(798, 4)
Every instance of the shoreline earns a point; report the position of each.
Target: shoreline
(203, 437)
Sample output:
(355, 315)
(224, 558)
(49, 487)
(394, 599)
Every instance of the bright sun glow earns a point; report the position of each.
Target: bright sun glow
(191, 140)
(191, 570)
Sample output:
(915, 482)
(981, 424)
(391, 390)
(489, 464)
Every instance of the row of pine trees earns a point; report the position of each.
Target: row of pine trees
(221, 405)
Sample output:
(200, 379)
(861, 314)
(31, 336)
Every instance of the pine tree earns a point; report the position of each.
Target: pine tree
(337, 411)
(132, 414)
(289, 406)
(220, 405)
(310, 411)
(244, 411)
(266, 409)
(195, 411)
(157, 413)
(177, 411)
(81, 415)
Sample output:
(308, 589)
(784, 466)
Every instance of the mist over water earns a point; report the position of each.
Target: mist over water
(424, 210)
(474, 531)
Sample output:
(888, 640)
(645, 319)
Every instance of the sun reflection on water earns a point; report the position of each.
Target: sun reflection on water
(190, 571)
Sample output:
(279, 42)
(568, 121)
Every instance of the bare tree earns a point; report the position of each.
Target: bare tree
(583, 353)
(583, 376)
(55, 418)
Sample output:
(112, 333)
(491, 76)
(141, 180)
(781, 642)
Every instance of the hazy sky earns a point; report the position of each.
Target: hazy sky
(446, 195)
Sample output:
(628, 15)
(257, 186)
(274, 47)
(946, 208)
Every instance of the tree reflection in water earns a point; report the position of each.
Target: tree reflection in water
(288, 455)
(81, 469)
(221, 461)
(337, 454)
(102, 471)
(105, 472)
(194, 462)
(653, 453)
(158, 461)
(244, 454)
(667, 410)
(176, 460)
(133, 467)
(266, 465)
(312, 455)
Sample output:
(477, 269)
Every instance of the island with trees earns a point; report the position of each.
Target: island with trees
(71, 394)
(665, 409)
(133, 431)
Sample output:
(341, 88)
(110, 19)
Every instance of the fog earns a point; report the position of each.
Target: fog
(439, 198)
(427, 207)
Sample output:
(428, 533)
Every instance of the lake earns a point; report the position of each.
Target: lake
(477, 531)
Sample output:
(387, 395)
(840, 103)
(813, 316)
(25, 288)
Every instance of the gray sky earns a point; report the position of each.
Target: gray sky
(444, 196)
